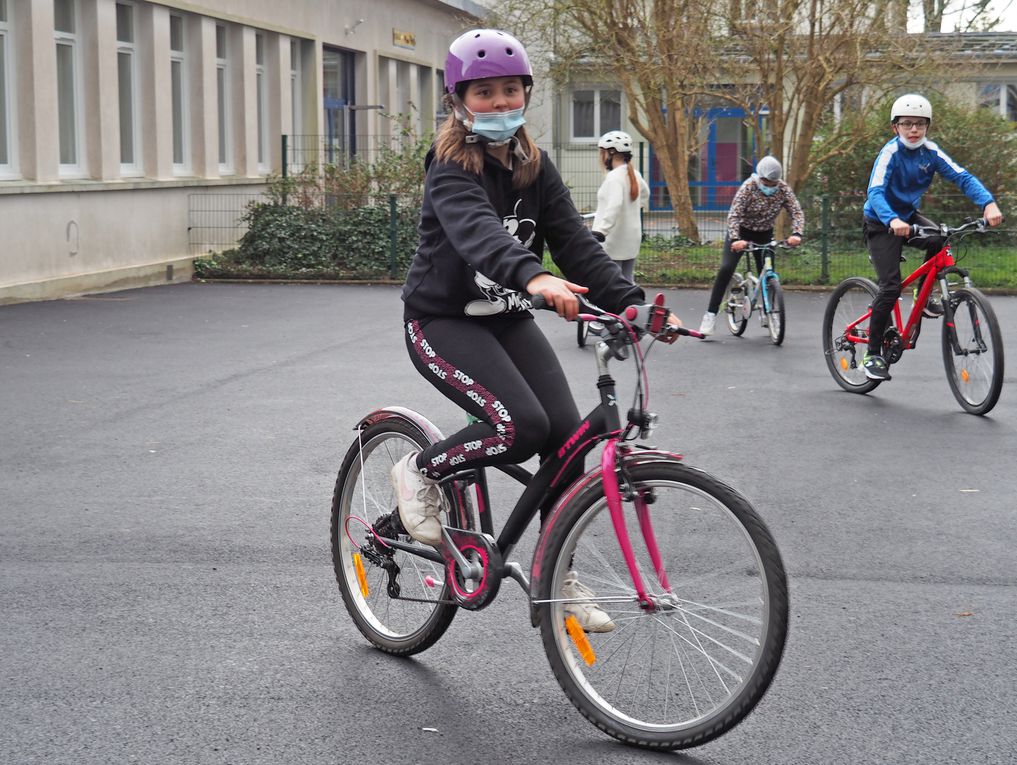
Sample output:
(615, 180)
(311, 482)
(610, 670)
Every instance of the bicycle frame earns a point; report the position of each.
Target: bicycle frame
(765, 274)
(938, 263)
(551, 486)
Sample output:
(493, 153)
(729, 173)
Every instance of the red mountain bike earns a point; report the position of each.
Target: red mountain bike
(972, 342)
(683, 565)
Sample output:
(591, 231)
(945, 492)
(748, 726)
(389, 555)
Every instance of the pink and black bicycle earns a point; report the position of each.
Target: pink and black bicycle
(687, 571)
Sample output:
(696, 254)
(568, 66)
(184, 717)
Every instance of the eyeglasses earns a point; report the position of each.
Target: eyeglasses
(908, 124)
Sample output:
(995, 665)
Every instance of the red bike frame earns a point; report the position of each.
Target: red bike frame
(941, 260)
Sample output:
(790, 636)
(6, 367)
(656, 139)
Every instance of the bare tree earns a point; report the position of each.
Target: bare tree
(970, 15)
(807, 54)
(661, 54)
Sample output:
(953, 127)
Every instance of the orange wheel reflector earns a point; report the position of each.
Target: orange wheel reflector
(580, 640)
(843, 363)
(965, 376)
(358, 564)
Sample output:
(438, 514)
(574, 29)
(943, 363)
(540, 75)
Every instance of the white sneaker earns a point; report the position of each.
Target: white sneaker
(590, 616)
(709, 322)
(420, 501)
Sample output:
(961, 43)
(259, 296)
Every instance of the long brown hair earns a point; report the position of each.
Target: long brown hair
(609, 154)
(450, 146)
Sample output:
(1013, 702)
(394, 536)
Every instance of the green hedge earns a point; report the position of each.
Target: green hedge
(319, 241)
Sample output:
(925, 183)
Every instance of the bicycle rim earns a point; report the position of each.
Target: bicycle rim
(975, 368)
(849, 301)
(417, 618)
(691, 670)
(775, 319)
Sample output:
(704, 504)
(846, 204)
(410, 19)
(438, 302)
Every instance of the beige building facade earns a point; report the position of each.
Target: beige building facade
(113, 113)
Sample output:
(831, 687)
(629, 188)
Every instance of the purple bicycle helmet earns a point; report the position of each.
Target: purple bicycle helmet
(482, 53)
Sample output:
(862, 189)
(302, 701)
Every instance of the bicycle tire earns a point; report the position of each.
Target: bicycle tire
(727, 581)
(734, 307)
(397, 626)
(777, 315)
(849, 300)
(976, 374)
(582, 330)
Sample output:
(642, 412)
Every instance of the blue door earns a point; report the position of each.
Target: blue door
(727, 158)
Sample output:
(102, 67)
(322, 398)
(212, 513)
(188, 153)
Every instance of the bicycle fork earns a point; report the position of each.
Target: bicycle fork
(612, 494)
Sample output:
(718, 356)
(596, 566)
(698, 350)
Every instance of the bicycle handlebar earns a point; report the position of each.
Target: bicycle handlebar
(776, 244)
(650, 318)
(980, 225)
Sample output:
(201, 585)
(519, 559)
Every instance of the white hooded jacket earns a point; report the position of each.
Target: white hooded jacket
(617, 216)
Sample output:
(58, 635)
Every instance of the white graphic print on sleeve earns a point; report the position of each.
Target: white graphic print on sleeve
(501, 299)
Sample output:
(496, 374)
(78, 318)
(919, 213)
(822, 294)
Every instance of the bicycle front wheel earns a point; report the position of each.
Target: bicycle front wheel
(695, 664)
(974, 366)
(399, 601)
(848, 303)
(736, 307)
(776, 316)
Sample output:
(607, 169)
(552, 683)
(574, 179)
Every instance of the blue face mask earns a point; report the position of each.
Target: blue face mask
(497, 126)
(767, 190)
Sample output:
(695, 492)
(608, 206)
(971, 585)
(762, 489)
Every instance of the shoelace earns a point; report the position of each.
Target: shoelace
(578, 589)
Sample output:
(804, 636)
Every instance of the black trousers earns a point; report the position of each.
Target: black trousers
(729, 261)
(504, 372)
(885, 251)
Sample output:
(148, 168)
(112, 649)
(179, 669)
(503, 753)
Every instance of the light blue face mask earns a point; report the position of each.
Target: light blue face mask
(767, 190)
(497, 126)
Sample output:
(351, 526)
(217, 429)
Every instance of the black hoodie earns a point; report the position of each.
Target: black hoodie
(482, 241)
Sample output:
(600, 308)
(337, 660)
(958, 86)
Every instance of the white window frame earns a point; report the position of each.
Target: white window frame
(133, 167)
(1002, 98)
(224, 145)
(8, 168)
(261, 102)
(71, 40)
(598, 128)
(180, 111)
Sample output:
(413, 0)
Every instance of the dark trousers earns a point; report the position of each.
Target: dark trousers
(885, 251)
(504, 372)
(729, 261)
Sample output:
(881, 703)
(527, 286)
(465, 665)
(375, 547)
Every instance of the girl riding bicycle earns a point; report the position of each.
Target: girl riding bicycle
(755, 207)
(492, 200)
(901, 174)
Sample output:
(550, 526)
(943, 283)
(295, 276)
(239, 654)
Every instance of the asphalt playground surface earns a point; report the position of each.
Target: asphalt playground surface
(167, 458)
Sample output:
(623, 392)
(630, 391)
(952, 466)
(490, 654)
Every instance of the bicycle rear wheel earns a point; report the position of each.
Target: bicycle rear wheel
(775, 319)
(736, 306)
(412, 619)
(849, 301)
(974, 368)
(693, 667)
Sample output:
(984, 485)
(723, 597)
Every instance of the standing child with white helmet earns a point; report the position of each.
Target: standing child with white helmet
(617, 223)
(754, 209)
(901, 174)
(492, 200)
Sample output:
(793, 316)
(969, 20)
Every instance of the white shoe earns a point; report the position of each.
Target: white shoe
(764, 320)
(420, 501)
(709, 322)
(590, 616)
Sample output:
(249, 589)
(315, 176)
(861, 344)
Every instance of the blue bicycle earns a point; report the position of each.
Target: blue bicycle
(746, 291)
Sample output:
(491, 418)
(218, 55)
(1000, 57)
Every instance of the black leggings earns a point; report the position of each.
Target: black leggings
(729, 261)
(885, 251)
(502, 371)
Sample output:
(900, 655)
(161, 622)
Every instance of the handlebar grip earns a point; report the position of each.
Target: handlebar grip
(538, 303)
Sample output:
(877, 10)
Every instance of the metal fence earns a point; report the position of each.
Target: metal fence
(833, 246)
